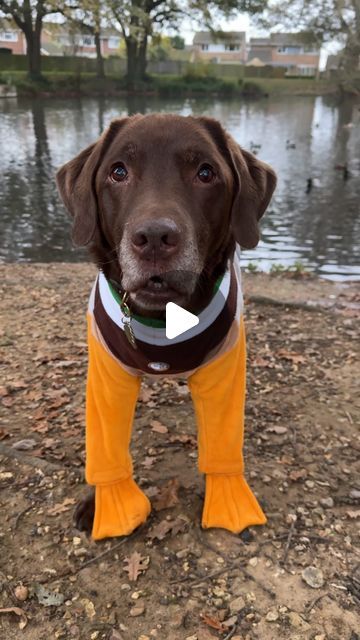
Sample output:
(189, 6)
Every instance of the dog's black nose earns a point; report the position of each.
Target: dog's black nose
(156, 238)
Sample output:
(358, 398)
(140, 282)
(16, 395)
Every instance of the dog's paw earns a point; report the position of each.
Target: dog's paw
(84, 513)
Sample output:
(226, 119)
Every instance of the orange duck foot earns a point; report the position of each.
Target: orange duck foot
(119, 509)
(230, 504)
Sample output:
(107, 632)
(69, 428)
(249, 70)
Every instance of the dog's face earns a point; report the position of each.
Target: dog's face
(161, 199)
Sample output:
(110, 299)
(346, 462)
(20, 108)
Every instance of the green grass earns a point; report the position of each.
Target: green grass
(191, 84)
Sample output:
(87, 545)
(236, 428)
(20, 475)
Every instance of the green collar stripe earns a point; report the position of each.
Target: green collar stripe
(156, 323)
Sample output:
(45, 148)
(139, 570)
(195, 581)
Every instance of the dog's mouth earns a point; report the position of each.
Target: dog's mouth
(157, 290)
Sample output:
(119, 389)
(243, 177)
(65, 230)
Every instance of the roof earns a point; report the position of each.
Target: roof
(259, 41)
(263, 54)
(209, 37)
(8, 25)
(291, 39)
(284, 39)
(255, 62)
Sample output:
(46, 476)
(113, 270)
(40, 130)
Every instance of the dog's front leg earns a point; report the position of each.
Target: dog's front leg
(218, 392)
(111, 394)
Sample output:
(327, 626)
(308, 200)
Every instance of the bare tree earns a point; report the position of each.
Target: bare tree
(28, 15)
(138, 19)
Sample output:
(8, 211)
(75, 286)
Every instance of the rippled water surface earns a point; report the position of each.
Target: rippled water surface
(301, 137)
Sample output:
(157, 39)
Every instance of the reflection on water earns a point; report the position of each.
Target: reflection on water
(301, 137)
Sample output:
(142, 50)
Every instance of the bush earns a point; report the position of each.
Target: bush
(250, 88)
(192, 84)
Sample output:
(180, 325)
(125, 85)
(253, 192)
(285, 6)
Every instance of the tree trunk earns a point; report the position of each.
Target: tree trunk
(131, 73)
(33, 47)
(136, 61)
(100, 72)
(142, 48)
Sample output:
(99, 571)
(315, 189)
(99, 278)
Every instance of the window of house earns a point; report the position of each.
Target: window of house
(290, 50)
(204, 47)
(232, 47)
(113, 42)
(87, 41)
(306, 70)
(9, 36)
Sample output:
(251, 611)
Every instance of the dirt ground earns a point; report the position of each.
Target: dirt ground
(296, 578)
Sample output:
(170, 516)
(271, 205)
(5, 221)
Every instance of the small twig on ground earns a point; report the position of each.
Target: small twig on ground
(231, 632)
(20, 514)
(28, 459)
(288, 542)
(270, 593)
(288, 303)
(74, 571)
(314, 602)
(195, 583)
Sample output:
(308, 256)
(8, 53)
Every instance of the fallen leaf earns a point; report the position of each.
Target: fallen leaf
(212, 622)
(65, 363)
(48, 598)
(297, 474)
(353, 514)
(24, 445)
(179, 525)
(61, 507)
(160, 530)
(89, 607)
(295, 358)
(313, 577)
(261, 362)
(18, 612)
(148, 461)
(7, 401)
(184, 438)
(145, 394)
(136, 564)
(165, 526)
(3, 434)
(278, 430)
(167, 496)
(158, 427)
(42, 427)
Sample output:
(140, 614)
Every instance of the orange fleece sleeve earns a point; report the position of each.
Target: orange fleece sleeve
(111, 395)
(218, 392)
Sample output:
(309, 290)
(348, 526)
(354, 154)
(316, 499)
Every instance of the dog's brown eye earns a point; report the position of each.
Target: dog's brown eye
(118, 173)
(206, 173)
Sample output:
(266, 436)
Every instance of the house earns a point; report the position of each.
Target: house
(220, 47)
(295, 51)
(60, 40)
(11, 37)
(71, 41)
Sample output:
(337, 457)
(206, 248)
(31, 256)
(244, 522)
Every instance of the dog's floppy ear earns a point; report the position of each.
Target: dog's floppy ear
(76, 184)
(255, 182)
(253, 185)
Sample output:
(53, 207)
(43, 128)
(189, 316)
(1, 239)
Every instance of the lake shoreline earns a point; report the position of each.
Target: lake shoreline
(74, 85)
(301, 290)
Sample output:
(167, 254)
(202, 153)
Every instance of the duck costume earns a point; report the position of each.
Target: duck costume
(212, 356)
(158, 165)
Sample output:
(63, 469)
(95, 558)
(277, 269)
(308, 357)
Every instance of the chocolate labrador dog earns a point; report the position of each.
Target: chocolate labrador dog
(161, 201)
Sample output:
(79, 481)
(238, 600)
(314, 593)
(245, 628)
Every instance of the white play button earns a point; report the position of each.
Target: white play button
(178, 320)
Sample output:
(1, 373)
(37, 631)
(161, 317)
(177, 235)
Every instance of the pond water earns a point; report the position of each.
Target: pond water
(301, 137)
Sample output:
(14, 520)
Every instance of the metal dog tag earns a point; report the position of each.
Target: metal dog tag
(129, 332)
(126, 320)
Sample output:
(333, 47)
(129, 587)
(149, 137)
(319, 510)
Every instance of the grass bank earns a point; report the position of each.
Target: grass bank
(65, 83)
